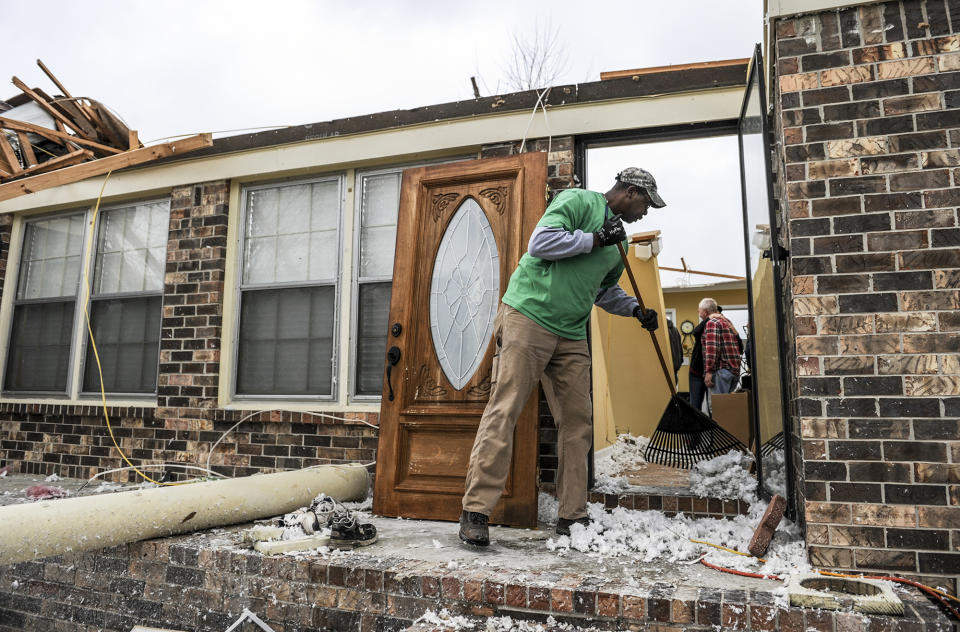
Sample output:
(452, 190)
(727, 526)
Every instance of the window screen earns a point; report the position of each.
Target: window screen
(291, 256)
(43, 313)
(379, 203)
(126, 299)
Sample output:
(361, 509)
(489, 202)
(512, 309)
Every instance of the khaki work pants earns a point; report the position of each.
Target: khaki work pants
(526, 354)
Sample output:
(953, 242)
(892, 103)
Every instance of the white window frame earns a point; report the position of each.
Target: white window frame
(89, 298)
(355, 275)
(73, 393)
(356, 281)
(239, 289)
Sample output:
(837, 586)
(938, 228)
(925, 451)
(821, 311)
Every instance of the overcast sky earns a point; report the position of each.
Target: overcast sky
(173, 67)
(177, 67)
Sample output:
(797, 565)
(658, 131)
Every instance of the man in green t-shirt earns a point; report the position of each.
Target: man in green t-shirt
(571, 264)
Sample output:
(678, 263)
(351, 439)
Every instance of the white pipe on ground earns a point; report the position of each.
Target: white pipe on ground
(86, 523)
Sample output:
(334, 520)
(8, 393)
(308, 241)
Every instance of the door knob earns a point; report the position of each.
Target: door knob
(393, 356)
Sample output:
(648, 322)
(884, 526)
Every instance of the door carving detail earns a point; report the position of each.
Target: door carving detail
(427, 386)
(440, 203)
(497, 197)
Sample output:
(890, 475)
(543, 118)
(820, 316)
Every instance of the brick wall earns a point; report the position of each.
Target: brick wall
(73, 441)
(866, 103)
(193, 303)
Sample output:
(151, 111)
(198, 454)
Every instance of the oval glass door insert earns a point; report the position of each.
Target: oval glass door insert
(464, 293)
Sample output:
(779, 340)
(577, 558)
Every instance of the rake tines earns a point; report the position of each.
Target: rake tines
(686, 436)
(774, 444)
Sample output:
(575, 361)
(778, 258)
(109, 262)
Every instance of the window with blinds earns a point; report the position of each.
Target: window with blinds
(379, 195)
(290, 265)
(126, 299)
(38, 359)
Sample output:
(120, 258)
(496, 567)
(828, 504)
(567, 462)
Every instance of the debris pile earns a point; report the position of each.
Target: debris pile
(725, 476)
(40, 133)
(326, 523)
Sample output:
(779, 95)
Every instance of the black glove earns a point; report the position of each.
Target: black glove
(647, 318)
(610, 233)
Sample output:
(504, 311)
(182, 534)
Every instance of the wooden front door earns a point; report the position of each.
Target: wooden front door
(461, 230)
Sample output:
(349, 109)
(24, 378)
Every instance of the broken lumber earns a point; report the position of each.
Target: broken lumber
(87, 523)
(54, 135)
(100, 166)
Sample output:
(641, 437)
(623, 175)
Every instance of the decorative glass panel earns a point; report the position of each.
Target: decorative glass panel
(291, 234)
(464, 293)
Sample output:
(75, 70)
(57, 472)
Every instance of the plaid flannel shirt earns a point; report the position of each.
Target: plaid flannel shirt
(720, 348)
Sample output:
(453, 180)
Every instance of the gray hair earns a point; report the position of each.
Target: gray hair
(709, 305)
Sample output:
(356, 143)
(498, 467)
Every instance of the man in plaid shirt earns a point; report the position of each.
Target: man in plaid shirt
(721, 349)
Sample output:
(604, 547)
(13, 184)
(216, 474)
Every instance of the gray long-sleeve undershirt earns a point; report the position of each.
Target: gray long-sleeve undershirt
(557, 243)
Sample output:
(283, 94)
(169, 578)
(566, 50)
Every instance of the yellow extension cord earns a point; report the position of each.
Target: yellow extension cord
(93, 343)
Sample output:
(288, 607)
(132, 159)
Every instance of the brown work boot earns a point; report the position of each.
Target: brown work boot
(564, 524)
(473, 528)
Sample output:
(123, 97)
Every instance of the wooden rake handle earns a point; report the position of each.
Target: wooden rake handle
(653, 335)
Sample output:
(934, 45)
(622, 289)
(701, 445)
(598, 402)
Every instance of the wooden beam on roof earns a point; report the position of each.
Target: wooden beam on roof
(6, 152)
(100, 166)
(83, 109)
(114, 129)
(55, 81)
(618, 74)
(27, 149)
(69, 110)
(59, 162)
(46, 107)
(54, 135)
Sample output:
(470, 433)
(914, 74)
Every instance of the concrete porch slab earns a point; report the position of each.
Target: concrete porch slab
(202, 581)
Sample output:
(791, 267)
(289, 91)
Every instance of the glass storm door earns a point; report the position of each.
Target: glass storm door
(765, 255)
(461, 231)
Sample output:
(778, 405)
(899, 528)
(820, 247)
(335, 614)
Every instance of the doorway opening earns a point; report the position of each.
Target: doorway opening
(701, 255)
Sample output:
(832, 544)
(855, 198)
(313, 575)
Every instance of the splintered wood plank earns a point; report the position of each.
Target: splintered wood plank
(27, 149)
(6, 151)
(6, 170)
(46, 107)
(86, 170)
(69, 109)
(656, 475)
(59, 162)
(79, 104)
(55, 136)
(55, 81)
(113, 128)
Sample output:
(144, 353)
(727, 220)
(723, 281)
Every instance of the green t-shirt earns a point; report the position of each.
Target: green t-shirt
(558, 295)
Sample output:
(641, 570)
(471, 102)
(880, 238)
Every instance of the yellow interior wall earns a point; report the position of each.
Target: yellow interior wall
(686, 302)
(629, 388)
(766, 352)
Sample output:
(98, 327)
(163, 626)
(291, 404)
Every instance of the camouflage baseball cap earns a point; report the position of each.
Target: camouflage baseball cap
(643, 179)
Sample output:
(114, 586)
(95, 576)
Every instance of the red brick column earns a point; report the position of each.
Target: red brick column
(866, 102)
(193, 305)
